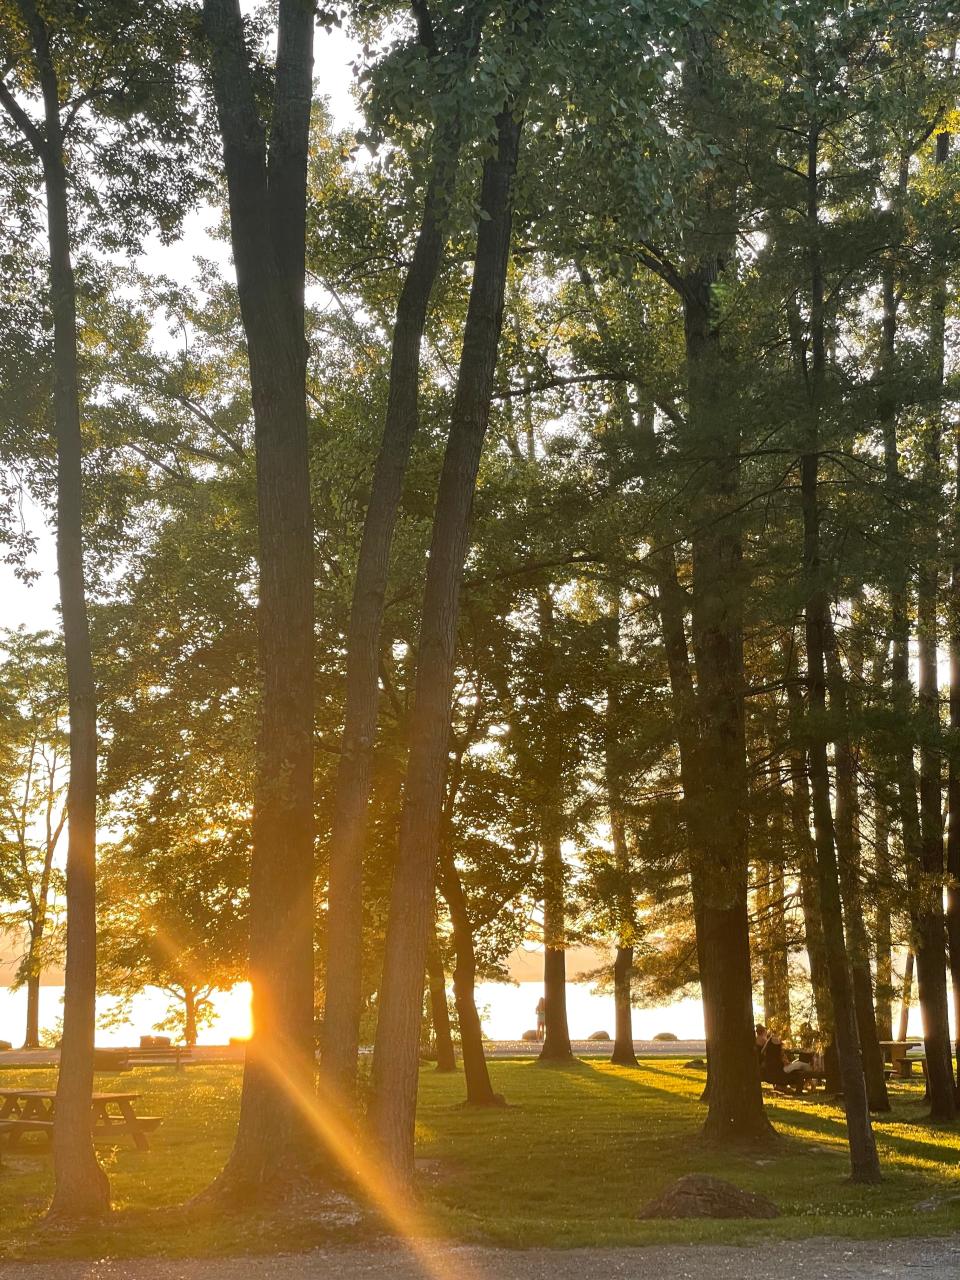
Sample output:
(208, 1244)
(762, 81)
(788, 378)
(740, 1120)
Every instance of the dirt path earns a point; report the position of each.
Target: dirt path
(817, 1259)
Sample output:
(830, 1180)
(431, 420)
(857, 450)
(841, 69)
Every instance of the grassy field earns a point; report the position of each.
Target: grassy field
(569, 1163)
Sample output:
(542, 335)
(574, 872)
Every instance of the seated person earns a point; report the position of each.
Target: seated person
(796, 1071)
(777, 1066)
(770, 1049)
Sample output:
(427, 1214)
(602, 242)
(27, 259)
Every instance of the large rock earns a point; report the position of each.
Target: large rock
(697, 1195)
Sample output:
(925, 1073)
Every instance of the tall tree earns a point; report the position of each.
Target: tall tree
(81, 1189)
(929, 925)
(266, 182)
(623, 1052)
(411, 903)
(864, 1161)
(33, 813)
(550, 820)
(116, 146)
(451, 46)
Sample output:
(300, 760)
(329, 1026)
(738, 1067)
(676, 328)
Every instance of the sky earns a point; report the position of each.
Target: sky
(34, 605)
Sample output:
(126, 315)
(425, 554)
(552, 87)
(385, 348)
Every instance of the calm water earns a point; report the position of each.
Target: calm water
(507, 1011)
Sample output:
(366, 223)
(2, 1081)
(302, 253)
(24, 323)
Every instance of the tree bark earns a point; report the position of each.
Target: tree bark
(906, 994)
(480, 1092)
(623, 1051)
(623, 1054)
(267, 197)
(395, 1051)
(717, 804)
(800, 815)
(31, 1038)
(864, 1161)
(556, 1041)
(883, 923)
(39, 907)
(849, 867)
(189, 1016)
(442, 1034)
(348, 831)
(771, 903)
(953, 767)
(81, 1189)
(772, 938)
(929, 923)
(920, 825)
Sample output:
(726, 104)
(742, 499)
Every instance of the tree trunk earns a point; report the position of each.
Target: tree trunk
(849, 867)
(189, 1016)
(31, 1039)
(480, 1092)
(920, 826)
(772, 939)
(929, 924)
(865, 1165)
(395, 1052)
(926, 904)
(927, 878)
(883, 924)
(267, 196)
(807, 867)
(906, 995)
(671, 606)
(623, 1054)
(717, 800)
(953, 767)
(440, 1014)
(348, 831)
(556, 1040)
(863, 1153)
(776, 962)
(953, 774)
(81, 1189)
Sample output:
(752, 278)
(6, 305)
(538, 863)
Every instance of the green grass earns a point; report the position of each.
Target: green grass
(569, 1163)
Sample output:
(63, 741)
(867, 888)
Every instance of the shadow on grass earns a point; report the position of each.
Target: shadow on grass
(803, 1123)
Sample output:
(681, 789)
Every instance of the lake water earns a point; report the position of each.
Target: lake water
(507, 1010)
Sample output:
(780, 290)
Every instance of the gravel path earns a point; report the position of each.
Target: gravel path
(817, 1259)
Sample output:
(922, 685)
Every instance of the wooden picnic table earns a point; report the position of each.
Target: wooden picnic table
(902, 1054)
(32, 1111)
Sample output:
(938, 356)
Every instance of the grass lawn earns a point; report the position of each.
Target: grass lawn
(570, 1163)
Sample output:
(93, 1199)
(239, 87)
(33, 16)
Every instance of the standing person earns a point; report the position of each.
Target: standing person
(541, 1018)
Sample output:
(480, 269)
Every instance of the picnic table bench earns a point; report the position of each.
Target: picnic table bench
(32, 1111)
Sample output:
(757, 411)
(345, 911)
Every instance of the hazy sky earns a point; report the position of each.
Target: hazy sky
(35, 605)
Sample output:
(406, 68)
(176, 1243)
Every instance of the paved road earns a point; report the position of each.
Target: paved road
(818, 1259)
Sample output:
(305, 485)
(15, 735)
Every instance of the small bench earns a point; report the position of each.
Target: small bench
(159, 1055)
